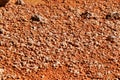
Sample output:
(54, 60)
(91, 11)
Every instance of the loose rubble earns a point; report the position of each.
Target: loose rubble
(60, 40)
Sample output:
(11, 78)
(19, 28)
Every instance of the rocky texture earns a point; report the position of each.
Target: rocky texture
(60, 40)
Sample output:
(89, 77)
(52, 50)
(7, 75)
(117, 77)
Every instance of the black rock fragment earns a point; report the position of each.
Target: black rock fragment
(86, 15)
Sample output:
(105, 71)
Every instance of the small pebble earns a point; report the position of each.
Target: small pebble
(114, 16)
(35, 17)
(20, 2)
(86, 15)
(1, 71)
(111, 39)
(108, 16)
(1, 31)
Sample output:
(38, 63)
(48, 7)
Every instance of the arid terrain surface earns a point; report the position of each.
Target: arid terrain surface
(60, 40)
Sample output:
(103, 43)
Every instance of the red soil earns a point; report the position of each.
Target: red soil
(70, 40)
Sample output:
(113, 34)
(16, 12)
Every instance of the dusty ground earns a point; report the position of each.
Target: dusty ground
(60, 40)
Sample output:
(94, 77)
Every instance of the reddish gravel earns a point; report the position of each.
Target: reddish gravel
(60, 40)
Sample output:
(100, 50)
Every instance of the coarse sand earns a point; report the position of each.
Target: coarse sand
(60, 40)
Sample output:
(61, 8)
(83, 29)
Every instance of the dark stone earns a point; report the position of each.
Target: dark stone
(35, 18)
(1, 32)
(113, 16)
(3, 2)
(108, 16)
(111, 39)
(86, 15)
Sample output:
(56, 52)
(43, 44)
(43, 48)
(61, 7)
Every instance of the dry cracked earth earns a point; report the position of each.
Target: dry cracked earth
(60, 40)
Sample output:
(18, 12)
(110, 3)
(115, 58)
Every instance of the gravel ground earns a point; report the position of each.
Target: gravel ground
(60, 40)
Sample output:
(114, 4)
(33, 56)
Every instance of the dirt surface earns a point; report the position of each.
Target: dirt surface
(60, 40)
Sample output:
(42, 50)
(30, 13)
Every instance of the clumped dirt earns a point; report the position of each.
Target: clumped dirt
(60, 40)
